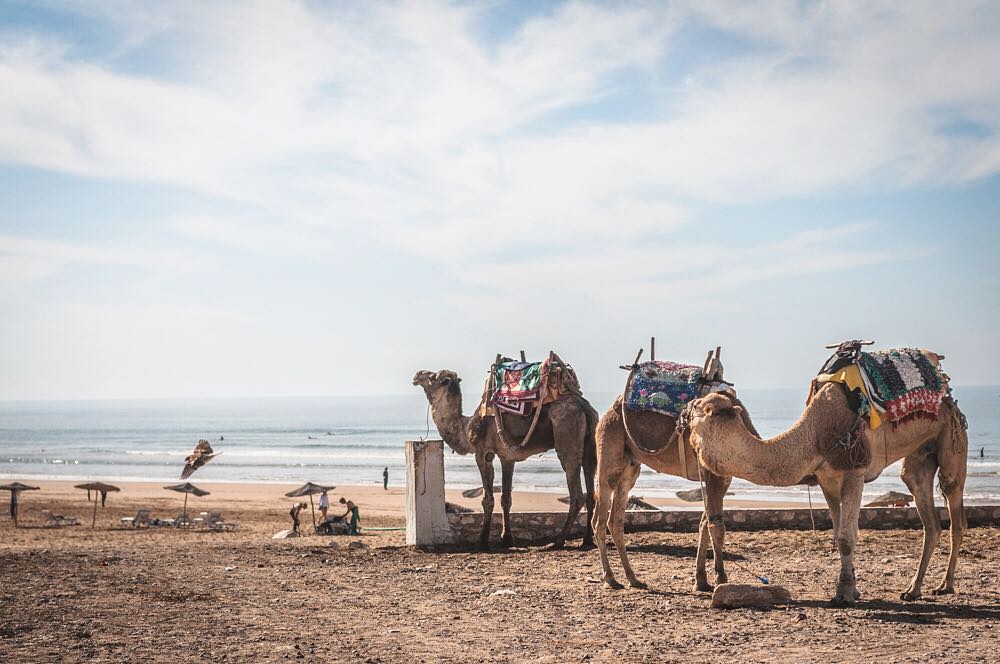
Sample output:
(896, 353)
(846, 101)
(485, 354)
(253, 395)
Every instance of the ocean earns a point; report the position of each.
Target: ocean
(349, 440)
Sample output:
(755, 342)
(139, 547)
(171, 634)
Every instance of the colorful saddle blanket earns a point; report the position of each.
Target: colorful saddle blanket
(903, 382)
(518, 386)
(896, 384)
(663, 387)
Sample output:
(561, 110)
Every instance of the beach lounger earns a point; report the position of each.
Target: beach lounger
(140, 520)
(213, 521)
(58, 520)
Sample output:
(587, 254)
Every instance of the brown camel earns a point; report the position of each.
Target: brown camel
(619, 460)
(566, 425)
(818, 446)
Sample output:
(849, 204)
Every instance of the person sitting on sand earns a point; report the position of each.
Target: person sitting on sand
(294, 513)
(352, 511)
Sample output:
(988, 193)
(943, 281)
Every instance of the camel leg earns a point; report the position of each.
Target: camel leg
(833, 504)
(847, 537)
(485, 463)
(715, 493)
(607, 482)
(701, 583)
(589, 469)
(506, 498)
(629, 475)
(953, 448)
(576, 501)
(918, 475)
(570, 442)
(711, 525)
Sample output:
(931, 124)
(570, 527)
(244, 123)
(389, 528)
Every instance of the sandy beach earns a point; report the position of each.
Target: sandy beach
(268, 501)
(160, 594)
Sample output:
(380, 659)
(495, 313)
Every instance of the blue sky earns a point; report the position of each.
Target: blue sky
(290, 198)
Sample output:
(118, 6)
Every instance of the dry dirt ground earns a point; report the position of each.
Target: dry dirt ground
(74, 595)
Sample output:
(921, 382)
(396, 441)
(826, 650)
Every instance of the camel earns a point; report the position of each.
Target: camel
(818, 446)
(566, 425)
(619, 460)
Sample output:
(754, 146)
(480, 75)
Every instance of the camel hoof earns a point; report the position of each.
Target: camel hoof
(909, 596)
(637, 584)
(507, 542)
(703, 587)
(612, 584)
(587, 545)
(841, 602)
(944, 590)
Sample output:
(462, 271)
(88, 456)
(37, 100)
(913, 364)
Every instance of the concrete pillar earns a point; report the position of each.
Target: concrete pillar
(426, 520)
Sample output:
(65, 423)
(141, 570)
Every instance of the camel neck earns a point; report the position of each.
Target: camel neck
(451, 424)
(783, 460)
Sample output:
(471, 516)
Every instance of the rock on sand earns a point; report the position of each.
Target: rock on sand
(740, 595)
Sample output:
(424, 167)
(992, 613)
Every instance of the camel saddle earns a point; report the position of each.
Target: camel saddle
(518, 387)
(894, 385)
(664, 387)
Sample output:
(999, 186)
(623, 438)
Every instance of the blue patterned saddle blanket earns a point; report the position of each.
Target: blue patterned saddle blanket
(663, 387)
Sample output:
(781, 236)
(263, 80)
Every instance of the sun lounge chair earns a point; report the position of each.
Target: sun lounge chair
(140, 520)
(58, 520)
(213, 521)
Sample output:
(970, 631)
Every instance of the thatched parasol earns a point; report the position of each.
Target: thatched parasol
(97, 487)
(892, 499)
(15, 488)
(187, 489)
(310, 489)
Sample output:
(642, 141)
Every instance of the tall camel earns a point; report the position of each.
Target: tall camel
(619, 459)
(819, 445)
(566, 425)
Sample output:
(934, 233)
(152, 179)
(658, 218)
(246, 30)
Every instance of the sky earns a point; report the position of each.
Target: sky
(206, 199)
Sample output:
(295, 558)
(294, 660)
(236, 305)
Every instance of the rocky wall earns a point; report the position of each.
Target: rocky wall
(541, 527)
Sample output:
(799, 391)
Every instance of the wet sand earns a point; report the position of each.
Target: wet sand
(111, 594)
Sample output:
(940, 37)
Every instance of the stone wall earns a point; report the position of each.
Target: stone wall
(541, 527)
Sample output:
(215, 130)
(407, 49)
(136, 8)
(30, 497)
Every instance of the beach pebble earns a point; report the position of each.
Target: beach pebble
(501, 592)
(742, 595)
(229, 569)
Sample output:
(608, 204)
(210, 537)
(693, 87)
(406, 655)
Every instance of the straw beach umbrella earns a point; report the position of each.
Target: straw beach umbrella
(15, 488)
(187, 489)
(310, 489)
(97, 488)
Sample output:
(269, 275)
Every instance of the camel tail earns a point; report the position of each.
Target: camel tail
(590, 439)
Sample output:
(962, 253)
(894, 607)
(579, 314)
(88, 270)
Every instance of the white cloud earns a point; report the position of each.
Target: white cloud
(507, 164)
(26, 260)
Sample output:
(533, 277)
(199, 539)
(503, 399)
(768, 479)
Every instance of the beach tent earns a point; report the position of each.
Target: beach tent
(15, 488)
(187, 489)
(98, 488)
(310, 489)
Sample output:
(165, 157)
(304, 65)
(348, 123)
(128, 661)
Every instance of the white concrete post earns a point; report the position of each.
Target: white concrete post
(426, 520)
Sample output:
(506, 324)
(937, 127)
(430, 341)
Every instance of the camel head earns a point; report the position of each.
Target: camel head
(710, 417)
(438, 383)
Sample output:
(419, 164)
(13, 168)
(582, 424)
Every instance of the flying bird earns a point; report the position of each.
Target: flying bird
(202, 454)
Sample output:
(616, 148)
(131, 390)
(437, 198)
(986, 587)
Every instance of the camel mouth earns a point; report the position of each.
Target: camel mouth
(422, 377)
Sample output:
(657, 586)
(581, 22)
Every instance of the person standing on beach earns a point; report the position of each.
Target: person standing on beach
(294, 513)
(324, 504)
(355, 514)
(385, 478)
